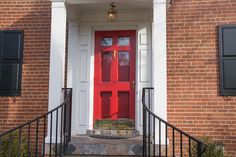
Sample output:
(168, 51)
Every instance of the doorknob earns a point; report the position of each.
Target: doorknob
(133, 84)
(114, 54)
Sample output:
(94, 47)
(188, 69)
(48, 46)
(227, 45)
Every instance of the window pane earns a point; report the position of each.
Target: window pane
(106, 66)
(123, 41)
(124, 66)
(107, 41)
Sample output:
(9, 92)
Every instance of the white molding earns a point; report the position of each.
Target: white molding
(58, 4)
(160, 1)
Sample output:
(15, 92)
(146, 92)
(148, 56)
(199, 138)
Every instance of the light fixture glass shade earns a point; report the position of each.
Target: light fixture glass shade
(112, 13)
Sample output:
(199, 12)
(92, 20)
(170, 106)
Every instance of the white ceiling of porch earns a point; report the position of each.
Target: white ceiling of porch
(102, 5)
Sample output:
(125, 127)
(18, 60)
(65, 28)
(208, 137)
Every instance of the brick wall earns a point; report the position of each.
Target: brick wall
(32, 16)
(194, 103)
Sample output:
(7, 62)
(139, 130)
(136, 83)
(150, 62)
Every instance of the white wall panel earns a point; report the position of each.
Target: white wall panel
(82, 108)
(144, 67)
(84, 54)
(72, 78)
(84, 40)
(83, 66)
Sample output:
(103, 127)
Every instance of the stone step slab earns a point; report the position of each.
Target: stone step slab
(84, 145)
(113, 134)
(89, 146)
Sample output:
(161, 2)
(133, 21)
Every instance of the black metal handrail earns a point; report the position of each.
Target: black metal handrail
(28, 139)
(166, 142)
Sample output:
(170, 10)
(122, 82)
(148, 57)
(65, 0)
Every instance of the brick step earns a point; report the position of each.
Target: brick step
(113, 134)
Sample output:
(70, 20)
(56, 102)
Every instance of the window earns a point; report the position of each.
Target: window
(227, 52)
(11, 59)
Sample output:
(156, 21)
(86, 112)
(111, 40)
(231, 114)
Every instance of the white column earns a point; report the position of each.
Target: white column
(159, 57)
(57, 57)
(159, 62)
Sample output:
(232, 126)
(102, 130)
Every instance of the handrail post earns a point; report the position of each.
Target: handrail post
(144, 132)
(144, 124)
(199, 150)
(64, 129)
(70, 108)
(67, 117)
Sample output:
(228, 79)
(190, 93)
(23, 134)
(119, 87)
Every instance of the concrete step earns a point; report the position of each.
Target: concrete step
(113, 134)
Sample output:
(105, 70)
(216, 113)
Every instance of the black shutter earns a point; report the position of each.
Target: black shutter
(11, 58)
(227, 52)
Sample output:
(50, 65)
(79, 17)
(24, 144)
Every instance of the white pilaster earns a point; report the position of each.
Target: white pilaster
(57, 56)
(72, 74)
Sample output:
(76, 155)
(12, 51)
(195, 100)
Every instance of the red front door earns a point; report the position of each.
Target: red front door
(114, 75)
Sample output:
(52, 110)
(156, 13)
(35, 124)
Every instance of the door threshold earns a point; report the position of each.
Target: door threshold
(113, 134)
(119, 124)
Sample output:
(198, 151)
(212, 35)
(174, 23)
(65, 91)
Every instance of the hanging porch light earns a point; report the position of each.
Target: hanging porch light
(112, 13)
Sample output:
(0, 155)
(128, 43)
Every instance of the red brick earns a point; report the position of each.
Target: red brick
(193, 70)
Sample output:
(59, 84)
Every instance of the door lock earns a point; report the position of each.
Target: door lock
(133, 84)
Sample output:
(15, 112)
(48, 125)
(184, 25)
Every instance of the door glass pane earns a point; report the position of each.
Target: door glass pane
(107, 41)
(123, 104)
(124, 63)
(123, 41)
(106, 103)
(106, 66)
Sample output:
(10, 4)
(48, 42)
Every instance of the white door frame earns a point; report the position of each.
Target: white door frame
(143, 30)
